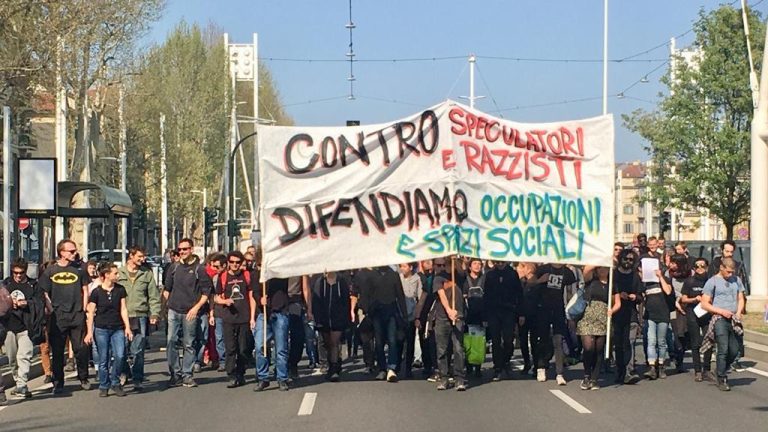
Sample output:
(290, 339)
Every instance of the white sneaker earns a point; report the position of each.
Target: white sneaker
(561, 380)
(541, 375)
(391, 376)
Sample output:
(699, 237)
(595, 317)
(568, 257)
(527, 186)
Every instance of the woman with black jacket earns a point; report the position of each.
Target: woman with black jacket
(333, 314)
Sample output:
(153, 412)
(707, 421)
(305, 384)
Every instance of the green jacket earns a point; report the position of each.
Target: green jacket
(143, 295)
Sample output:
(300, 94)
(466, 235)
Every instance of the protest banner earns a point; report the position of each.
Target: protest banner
(449, 180)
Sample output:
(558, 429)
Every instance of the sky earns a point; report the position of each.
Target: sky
(537, 60)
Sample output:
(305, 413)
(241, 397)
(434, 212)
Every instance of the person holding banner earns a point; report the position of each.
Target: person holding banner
(593, 326)
(276, 303)
(450, 312)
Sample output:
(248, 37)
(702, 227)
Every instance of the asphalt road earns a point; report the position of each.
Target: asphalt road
(359, 403)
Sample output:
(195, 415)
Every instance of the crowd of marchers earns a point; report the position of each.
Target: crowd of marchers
(440, 317)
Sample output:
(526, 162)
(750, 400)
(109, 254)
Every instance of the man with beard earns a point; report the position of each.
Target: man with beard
(625, 323)
(697, 326)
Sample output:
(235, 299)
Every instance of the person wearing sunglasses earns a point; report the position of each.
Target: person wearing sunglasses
(235, 306)
(626, 322)
(27, 302)
(66, 288)
(186, 291)
(697, 326)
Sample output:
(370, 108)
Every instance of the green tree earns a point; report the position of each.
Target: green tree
(699, 136)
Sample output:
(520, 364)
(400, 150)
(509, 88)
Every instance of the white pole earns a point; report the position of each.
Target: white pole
(60, 134)
(164, 189)
(472, 60)
(123, 166)
(605, 57)
(7, 191)
(255, 202)
(753, 84)
(759, 199)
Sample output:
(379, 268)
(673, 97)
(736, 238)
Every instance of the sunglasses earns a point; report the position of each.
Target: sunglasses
(236, 262)
(70, 250)
(20, 273)
(184, 248)
(701, 266)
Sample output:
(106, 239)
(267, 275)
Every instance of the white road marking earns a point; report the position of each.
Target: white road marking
(757, 371)
(307, 404)
(581, 409)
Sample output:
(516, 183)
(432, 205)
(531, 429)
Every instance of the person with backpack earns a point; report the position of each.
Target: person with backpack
(592, 327)
(235, 307)
(143, 309)
(503, 298)
(186, 291)
(24, 323)
(109, 329)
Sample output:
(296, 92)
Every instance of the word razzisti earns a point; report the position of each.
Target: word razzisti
(449, 180)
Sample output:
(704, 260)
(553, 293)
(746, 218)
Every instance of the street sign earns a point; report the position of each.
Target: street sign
(23, 224)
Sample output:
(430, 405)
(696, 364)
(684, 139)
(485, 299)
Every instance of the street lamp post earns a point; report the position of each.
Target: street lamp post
(232, 183)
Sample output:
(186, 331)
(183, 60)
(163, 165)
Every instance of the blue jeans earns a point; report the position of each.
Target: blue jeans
(136, 347)
(177, 321)
(277, 327)
(310, 341)
(657, 341)
(727, 346)
(219, 333)
(385, 332)
(201, 338)
(109, 343)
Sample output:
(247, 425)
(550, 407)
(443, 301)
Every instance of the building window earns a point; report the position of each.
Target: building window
(628, 228)
(628, 209)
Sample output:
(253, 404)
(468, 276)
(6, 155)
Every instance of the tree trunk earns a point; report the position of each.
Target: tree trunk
(728, 230)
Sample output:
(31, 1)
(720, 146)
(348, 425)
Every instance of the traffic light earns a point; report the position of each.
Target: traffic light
(665, 222)
(211, 214)
(232, 228)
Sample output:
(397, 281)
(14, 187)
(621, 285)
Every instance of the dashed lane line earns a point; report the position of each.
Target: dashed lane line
(581, 409)
(307, 404)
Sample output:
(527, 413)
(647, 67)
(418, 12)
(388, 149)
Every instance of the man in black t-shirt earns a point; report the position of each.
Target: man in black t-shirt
(236, 306)
(550, 318)
(66, 288)
(27, 302)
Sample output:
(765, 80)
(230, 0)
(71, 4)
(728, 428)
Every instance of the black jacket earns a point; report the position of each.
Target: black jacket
(331, 304)
(503, 292)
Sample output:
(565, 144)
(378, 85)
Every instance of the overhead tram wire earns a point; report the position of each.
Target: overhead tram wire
(312, 101)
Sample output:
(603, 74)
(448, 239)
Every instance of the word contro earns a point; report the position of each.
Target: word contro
(382, 210)
(536, 209)
(333, 151)
(560, 142)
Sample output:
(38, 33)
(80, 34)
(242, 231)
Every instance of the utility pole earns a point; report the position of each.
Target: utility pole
(123, 165)
(605, 57)
(7, 190)
(60, 133)
(759, 199)
(472, 98)
(164, 188)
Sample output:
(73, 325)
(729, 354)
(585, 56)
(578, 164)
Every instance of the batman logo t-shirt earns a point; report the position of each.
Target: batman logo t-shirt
(64, 286)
